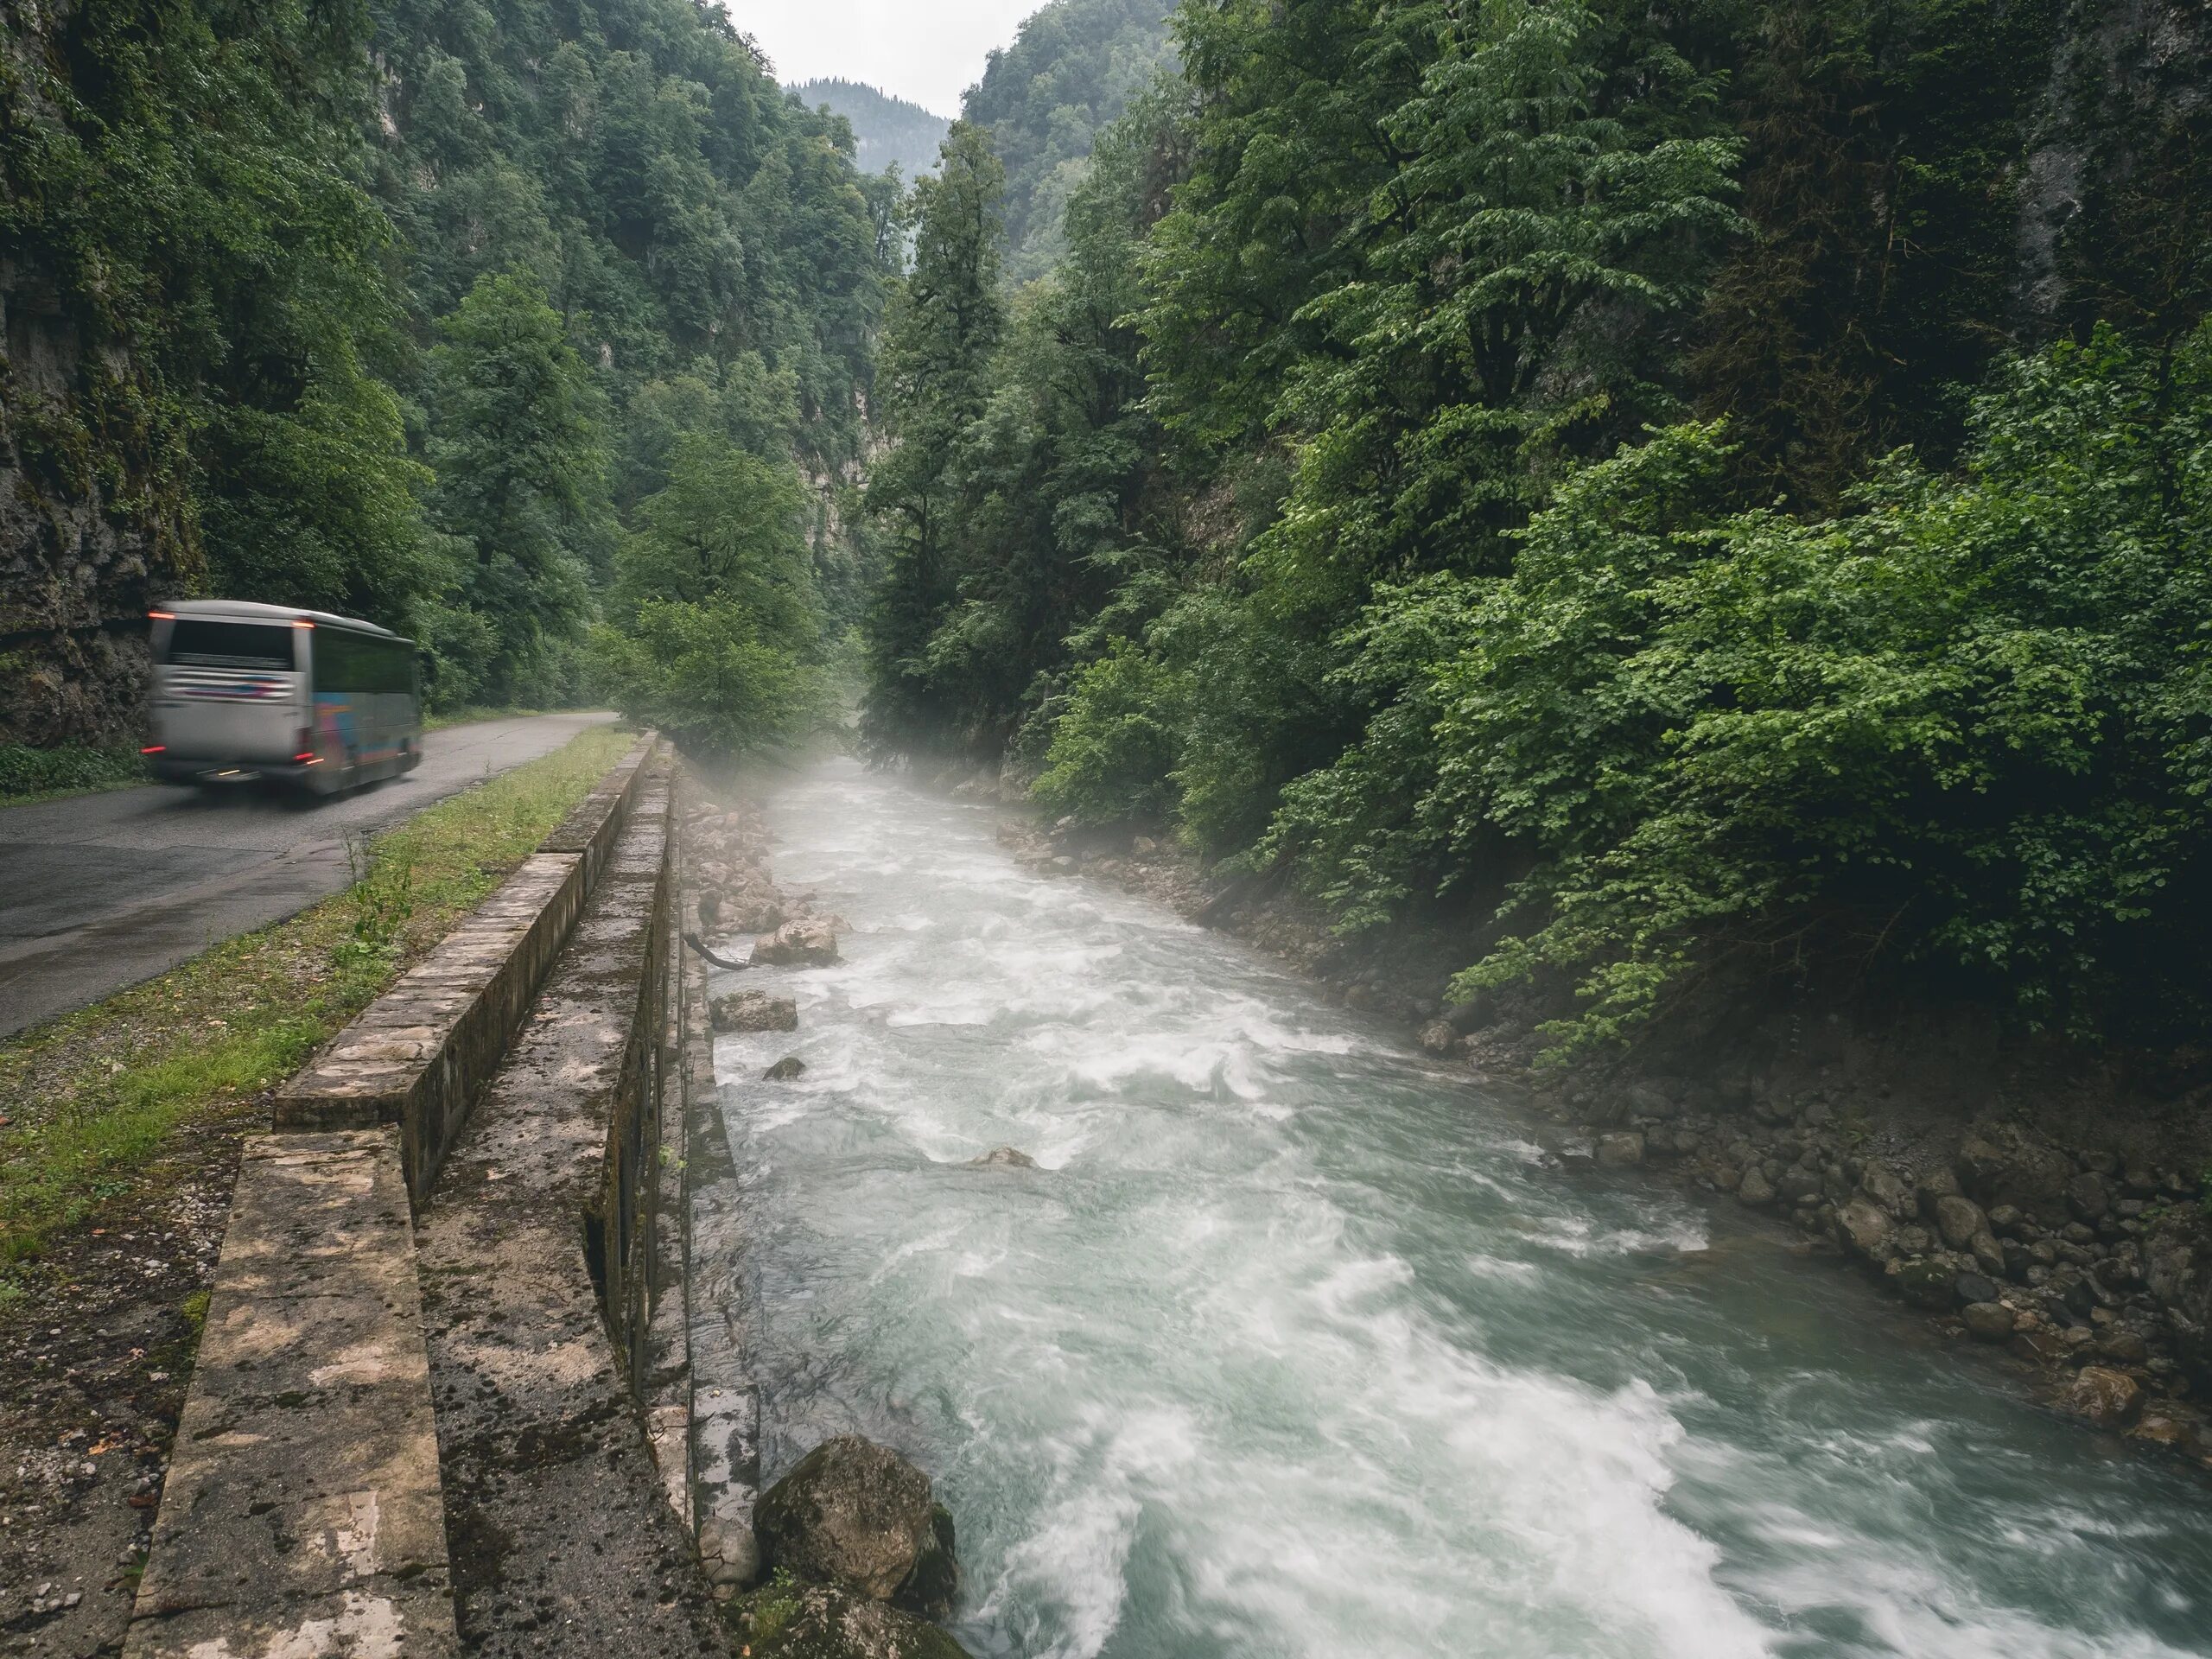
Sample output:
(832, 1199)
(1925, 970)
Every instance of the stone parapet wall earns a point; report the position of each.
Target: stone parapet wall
(420, 1054)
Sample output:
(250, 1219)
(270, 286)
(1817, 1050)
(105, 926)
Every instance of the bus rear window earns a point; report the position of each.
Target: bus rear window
(201, 643)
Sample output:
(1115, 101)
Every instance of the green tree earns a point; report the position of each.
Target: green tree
(517, 440)
(714, 636)
(934, 382)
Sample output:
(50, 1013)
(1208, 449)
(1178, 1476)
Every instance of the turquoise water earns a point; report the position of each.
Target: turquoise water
(1295, 1344)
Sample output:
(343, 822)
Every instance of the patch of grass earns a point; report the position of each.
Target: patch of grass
(28, 774)
(86, 1100)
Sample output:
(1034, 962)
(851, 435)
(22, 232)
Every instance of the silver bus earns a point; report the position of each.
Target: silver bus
(243, 691)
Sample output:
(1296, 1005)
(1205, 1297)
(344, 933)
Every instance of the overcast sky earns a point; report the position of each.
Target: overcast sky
(927, 50)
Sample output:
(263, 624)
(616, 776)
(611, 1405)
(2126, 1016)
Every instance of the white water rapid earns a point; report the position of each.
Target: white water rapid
(1294, 1344)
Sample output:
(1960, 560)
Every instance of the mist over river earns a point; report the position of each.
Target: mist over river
(1294, 1344)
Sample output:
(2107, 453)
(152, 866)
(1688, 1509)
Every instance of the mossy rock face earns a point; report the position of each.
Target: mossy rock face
(787, 1620)
(930, 1588)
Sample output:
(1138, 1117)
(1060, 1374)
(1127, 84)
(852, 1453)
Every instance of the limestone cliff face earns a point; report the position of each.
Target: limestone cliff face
(94, 525)
(95, 515)
(2117, 154)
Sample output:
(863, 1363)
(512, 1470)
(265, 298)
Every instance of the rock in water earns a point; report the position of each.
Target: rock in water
(2104, 1396)
(785, 1070)
(754, 1011)
(1988, 1321)
(827, 1621)
(809, 942)
(1626, 1148)
(1003, 1158)
(852, 1513)
(930, 1588)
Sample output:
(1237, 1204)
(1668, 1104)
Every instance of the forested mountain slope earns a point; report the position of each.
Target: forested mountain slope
(1703, 497)
(1070, 73)
(457, 319)
(888, 131)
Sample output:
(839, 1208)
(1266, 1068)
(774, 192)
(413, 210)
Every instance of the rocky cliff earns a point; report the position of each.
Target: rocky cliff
(95, 511)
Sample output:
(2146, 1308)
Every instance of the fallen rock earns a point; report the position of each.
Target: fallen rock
(2088, 1198)
(1959, 1219)
(809, 942)
(1626, 1148)
(1754, 1189)
(785, 1070)
(1867, 1228)
(1988, 1321)
(1971, 1287)
(852, 1513)
(2010, 1167)
(730, 1556)
(2104, 1396)
(754, 1011)
(931, 1588)
(1003, 1158)
(827, 1621)
(1888, 1188)
(1927, 1284)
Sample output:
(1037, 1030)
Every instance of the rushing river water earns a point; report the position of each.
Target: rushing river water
(1294, 1344)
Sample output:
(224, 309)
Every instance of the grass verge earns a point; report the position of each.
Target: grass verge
(87, 1100)
(28, 774)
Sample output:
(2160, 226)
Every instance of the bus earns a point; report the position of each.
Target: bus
(243, 691)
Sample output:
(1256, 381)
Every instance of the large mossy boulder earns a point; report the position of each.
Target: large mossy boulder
(931, 1588)
(790, 1620)
(852, 1513)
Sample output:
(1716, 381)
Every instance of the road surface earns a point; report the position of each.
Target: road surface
(99, 891)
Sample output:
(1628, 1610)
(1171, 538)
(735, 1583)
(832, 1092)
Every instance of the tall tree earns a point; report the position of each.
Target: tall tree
(517, 439)
(934, 382)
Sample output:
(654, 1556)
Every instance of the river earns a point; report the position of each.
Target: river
(1294, 1344)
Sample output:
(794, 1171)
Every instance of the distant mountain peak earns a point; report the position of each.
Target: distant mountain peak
(886, 129)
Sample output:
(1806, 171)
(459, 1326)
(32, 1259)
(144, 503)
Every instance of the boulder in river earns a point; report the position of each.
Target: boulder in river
(785, 1070)
(1626, 1148)
(852, 1513)
(787, 1620)
(1988, 1321)
(2104, 1396)
(1754, 1189)
(930, 1588)
(1003, 1158)
(1927, 1283)
(754, 1011)
(809, 942)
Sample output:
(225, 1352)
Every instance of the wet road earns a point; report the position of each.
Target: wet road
(99, 892)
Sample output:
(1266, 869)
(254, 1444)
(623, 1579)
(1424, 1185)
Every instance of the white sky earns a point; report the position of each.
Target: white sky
(929, 51)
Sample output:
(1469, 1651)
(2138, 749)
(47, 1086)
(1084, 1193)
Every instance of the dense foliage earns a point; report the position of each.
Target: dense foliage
(1685, 497)
(417, 303)
(1069, 75)
(178, 193)
(888, 131)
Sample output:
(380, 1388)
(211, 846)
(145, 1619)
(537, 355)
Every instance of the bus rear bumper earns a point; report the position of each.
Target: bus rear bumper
(168, 769)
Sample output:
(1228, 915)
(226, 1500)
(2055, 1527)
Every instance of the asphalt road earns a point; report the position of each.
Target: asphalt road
(99, 891)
